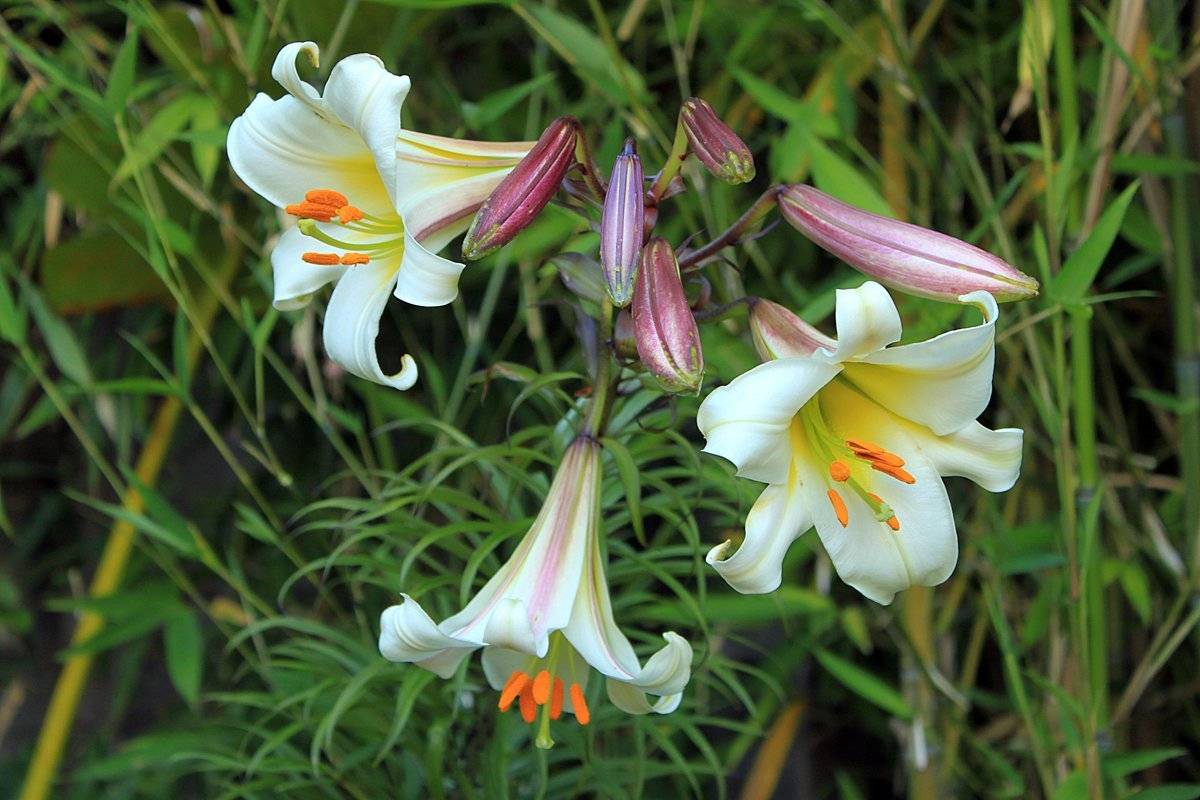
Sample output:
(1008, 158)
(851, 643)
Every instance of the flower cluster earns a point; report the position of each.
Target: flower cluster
(851, 435)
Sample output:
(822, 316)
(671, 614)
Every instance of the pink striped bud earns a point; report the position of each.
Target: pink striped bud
(524, 192)
(908, 257)
(778, 333)
(719, 149)
(622, 226)
(668, 341)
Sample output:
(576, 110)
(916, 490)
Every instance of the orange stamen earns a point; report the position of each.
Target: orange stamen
(866, 447)
(326, 197)
(350, 259)
(322, 259)
(582, 715)
(349, 214)
(891, 459)
(839, 471)
(528, 705)
(895, 472)
(556, 699)
(839, 508)
(894, 524)
(516, 682)
(541, 687)
(317, 211)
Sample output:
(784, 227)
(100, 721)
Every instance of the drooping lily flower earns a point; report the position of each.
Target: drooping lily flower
(852, 437)
(545, 619)
(375, 202)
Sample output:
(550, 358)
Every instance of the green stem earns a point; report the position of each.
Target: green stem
(604, 387)
(674, 162)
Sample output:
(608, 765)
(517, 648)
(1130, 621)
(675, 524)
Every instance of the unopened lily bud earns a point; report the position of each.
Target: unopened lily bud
(581, 275)
(908, 257)
(622, 226)
(668, 341)
(778, 333)
(524, 192)
(719, 149)
(624, 341)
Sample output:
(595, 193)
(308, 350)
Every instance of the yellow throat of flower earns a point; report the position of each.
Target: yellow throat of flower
(848, 464)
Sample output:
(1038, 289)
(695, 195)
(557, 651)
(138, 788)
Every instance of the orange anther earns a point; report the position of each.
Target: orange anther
(895, 472)
(582, 715)
(350, 259)
(528, 706)
(839, 508)
(839, 471)
(349, 214)
(541, 687)
(317, 211)
(894, 524)
(516, 682)
(556, 699)
(891, 459)
(326, 197)
(866, 447)
(322, 259)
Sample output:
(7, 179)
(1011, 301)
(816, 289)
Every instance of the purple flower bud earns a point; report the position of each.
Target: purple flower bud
(668, 341)
(524, 192)
(624, 340)
(622, 226)
(908, 257)
(778, 333)
(720, 150)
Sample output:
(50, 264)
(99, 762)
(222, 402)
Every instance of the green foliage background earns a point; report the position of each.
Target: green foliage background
(238, 658)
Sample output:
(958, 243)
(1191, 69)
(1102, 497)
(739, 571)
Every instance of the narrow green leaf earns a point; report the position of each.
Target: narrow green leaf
(1119, 765)
(121, 76)
(864, 684)
(632, 482)
(64, 348)
(184, 643)
(1077, 275)
(840, 178)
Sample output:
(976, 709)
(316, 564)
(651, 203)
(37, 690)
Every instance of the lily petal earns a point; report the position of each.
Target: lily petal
(295, 279)
(866, 553)
(747, 421)
(283, 70)
(779, 517)
(282, 148)
(943, 383)
(867, 321)
(406, 633)
(367, 98)
(352, 324)
(990, 458)
(441, 181)
(426, 279)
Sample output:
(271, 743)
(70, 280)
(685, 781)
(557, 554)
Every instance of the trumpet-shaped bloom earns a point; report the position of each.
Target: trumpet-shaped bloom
(375, 202)
(852, 437)
(545, 619)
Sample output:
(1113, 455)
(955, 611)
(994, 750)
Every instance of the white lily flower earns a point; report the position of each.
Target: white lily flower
(852, 437)
(376, 202)
(545, 619)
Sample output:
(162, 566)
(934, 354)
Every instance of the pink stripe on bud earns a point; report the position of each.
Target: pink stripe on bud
(908, 257)
(524, 192)
(719, 149)
(778, 333)
(668, 341)
(622, 226)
